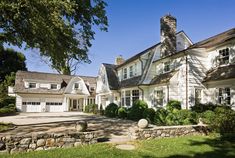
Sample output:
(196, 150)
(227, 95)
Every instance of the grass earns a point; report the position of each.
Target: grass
(5, 126)
(182, 147)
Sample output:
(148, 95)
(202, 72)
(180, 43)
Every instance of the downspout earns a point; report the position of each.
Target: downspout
(186, 78)
(142, 70)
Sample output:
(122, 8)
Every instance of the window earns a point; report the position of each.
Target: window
(158, 98)
(92, 89)
(131, 71)
(76, 86)
(53, 86)
(224, 96)
(223, 56)
(128, 98)
(167, 66)
(198, 96)
(30, 103)
(53, 103)
(135, 95)
(125, 73)
(32, 85)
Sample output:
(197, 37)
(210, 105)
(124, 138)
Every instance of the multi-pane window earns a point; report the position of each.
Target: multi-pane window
(125, 73)
(131, 71)
(135, 95)
(76, 86)
(224, 56)
(198, 96)
(30, 103)
(158, 98)
(53, 103)
(128, 98)
(167, 66)
(32, 85)
(224, 96)
(53, 86)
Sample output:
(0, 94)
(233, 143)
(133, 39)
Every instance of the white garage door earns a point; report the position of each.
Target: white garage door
(32, 107)
(54, 107)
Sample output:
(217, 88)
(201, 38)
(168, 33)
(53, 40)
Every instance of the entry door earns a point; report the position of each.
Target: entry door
(74, 104)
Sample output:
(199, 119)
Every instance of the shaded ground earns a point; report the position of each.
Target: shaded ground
(115, 130)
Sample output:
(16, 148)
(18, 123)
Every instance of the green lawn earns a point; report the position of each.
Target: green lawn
(183, 147)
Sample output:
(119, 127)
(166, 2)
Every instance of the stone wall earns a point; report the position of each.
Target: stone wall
(44, 141)
(168, 131)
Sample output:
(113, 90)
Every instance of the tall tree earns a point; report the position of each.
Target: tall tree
(60, 29)
(10, 61)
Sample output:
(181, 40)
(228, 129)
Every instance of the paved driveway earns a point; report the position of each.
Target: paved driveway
(39, 118)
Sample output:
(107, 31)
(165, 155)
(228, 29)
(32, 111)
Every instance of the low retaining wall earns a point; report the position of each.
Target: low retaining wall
(44, 141)
(168, 131)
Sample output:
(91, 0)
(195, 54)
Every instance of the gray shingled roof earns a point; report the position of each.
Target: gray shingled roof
(48, 77)
(135, 81)
(220, 73)
(112, 76)
(162, 78)
(215, 40)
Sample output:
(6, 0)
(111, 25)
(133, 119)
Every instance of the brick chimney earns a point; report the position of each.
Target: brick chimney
(119, 60)
(168, 35)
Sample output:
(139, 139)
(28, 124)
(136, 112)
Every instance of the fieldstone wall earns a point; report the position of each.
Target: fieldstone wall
(168, 131)
(45, 141)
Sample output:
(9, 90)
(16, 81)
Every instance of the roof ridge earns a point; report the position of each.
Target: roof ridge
(232, 29)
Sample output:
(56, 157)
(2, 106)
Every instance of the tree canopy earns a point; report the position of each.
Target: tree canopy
(10, 61)
(60, 29)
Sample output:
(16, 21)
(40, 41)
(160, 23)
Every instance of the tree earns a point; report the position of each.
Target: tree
(59, 29)
(10, 61)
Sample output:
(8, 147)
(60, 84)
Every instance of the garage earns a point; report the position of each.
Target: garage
(54, 107)
(31, 107)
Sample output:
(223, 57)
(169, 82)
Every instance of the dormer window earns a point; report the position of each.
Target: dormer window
(53, 86)
(224, 56)
(125, 73)
(92, 89)
(167, 66)
(76, 86)
(32, 85)
(131, 71)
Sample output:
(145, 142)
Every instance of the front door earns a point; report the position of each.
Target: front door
(76, 104)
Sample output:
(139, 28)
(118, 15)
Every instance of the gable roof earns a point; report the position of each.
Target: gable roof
(220, 73)
(215, 40)
(112, 76)
(63, 80)
(137, 55)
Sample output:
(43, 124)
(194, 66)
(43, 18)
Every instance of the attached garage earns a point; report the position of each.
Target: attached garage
(54, 107)
(31, 107)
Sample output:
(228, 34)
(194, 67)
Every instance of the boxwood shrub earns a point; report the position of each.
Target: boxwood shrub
(111, 110)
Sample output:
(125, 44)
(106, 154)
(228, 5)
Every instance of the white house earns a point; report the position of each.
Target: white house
(174, 68)
(45, 92)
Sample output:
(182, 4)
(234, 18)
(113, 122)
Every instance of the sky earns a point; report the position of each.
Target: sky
(134, 25)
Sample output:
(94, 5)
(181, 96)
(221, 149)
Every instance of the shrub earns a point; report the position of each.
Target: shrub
(173, 104)
(136, 111)
(111, 110)
(4, 102)
(92, 108)
(149, 114)
(6, 110)
(122, 112)
(200, 108)
(187, 117)
(160, 117)
(222, 120)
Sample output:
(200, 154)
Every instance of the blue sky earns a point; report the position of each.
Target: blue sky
(134, 25)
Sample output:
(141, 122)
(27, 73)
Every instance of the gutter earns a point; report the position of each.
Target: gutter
(186, 79)
(142, 70)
